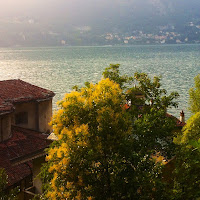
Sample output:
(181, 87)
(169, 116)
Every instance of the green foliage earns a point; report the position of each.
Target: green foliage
(3, 180)
(154, 133)
(186, 176)
(113, 74)
(194, 92)
(104, 149)
(152, 91)
(153, 129)
(191, 131)
(5, 195)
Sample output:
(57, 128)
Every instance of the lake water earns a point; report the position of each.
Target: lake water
(60, 68)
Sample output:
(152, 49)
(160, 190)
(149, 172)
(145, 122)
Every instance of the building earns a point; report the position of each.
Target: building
(25, 111)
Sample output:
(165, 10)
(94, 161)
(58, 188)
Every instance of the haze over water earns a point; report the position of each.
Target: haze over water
(60, 68)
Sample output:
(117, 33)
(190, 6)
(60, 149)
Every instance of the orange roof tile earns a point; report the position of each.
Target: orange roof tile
(22, 143)
(17, 91)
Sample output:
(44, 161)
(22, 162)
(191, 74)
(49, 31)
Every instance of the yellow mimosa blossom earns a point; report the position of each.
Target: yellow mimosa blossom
(51, 168)
(65, 161)
(79, 122)
(78, 197)
(65, 104)
(69, 185)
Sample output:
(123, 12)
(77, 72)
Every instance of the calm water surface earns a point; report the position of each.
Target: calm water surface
(60, 68)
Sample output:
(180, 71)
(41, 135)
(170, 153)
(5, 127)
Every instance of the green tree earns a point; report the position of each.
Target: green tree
(194, 101)
(149, 104)
(186, 181)
(186, 184)
(112, 72)
(104, 148)
(6, 195)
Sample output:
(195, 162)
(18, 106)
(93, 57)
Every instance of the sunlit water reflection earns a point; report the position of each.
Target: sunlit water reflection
(60, 68)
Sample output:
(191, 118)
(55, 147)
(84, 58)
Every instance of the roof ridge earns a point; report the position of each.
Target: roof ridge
(19, 91)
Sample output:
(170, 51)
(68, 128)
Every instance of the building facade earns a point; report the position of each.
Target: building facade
(25, 111)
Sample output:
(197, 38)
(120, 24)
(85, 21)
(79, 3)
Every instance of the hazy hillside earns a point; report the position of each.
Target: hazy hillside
(88, 22)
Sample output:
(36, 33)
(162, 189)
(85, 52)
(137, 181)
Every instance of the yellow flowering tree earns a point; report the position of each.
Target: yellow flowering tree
(91, 126)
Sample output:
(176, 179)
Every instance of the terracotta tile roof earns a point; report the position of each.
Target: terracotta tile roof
(17, 91)
(22, 143)
(178, 122)
(126, 106)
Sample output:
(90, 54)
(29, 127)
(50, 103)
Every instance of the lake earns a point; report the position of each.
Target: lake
(60, 68)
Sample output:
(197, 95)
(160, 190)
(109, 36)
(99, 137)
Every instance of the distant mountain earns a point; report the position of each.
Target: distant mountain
(99, 22)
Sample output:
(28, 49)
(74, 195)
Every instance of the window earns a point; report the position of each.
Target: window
(21, 118)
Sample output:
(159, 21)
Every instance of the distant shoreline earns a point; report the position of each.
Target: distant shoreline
(121, 45)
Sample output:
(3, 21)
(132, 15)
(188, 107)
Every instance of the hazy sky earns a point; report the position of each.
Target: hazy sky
(83, 10)
(51, 7)
(48, 8)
